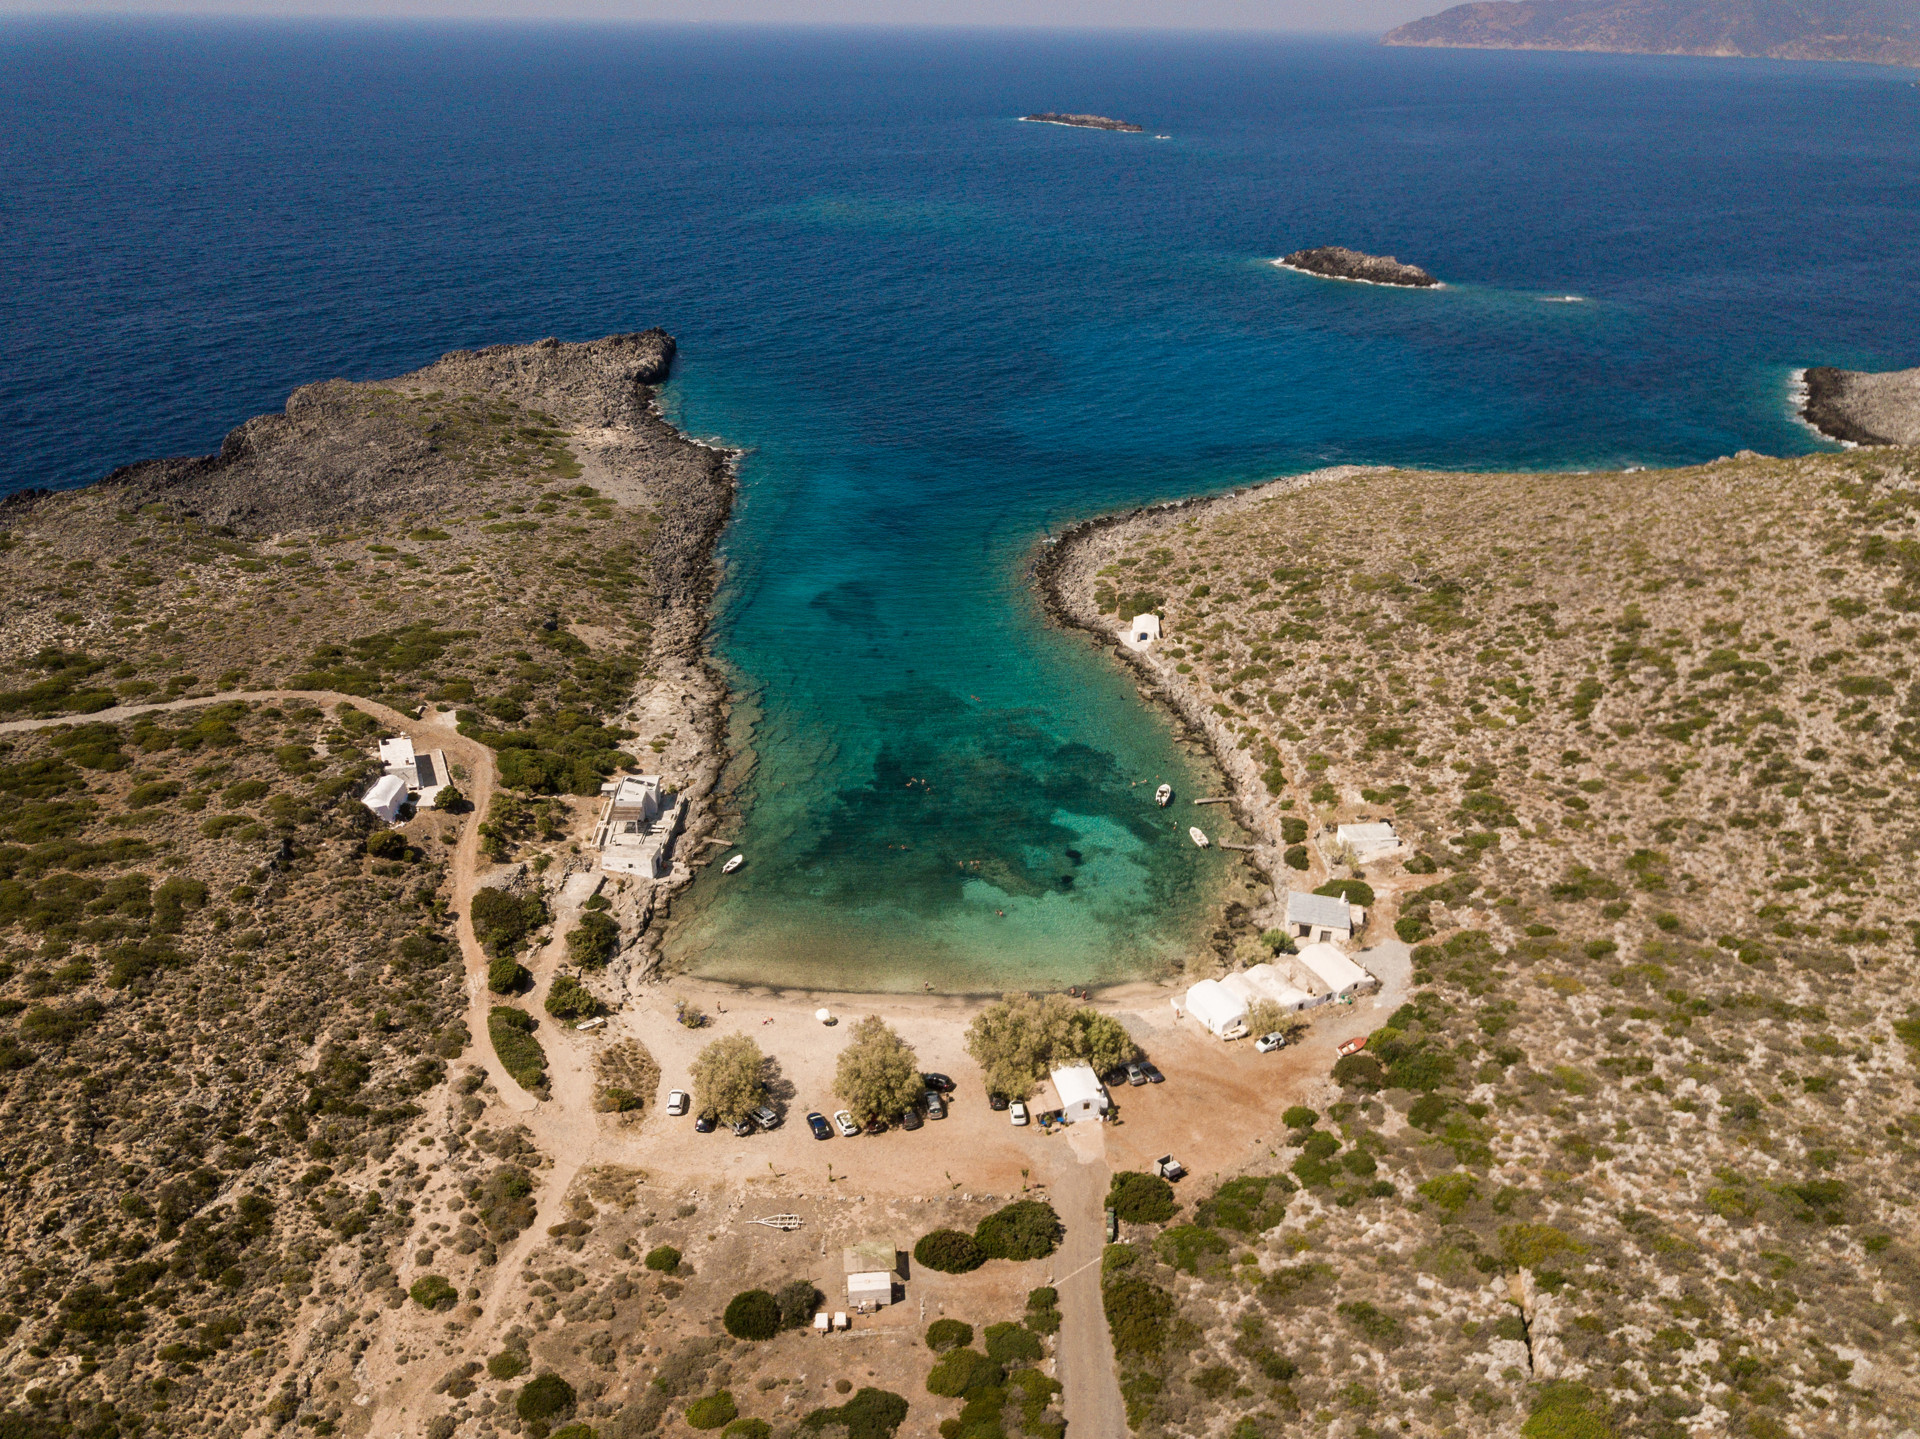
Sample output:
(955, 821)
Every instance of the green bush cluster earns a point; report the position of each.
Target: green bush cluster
(712, 1411)
(946, 1334)
(752, 1314)
(1140, 1198)
(511, 1031)
(869, 1414)
(663, 1259)
(502, 921)
(949, 1251)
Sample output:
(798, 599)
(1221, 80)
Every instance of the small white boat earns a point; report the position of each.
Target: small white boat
(731, 865)
(1193, 832)
(1163, 796)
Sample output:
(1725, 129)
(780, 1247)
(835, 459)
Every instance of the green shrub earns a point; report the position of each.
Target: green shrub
(501, 921)
(1252, 1204)
(1043, 1310)
(506, 975)
(1141, 1198)
(713, 1411)
(544, 1397)
(945, 1334)
(752, 1314)
(797, 1302)
(1353, 891)
(571, 1000)
(1139, 1315)
(1024, 1229)
(950, 1251)
(387, 844)
(1298, 1116)
(511, 1031)
(1379, 1326)
(594, 940)
(1563, 1410)
(663, 1260)
(963, 1371)
(1293, 830)
(748, 1429)
(1296, 857)
(1188, 1247)
(1422, 864)
(1011, 1344)
(432, 1292)
(870, 1414)
(509, 1364)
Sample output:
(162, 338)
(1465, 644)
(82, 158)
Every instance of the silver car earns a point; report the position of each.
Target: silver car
(935, 1109)
(677, 1102)
(1267, 1043)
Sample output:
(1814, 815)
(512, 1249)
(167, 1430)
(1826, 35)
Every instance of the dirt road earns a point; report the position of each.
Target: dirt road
(1085, 1349)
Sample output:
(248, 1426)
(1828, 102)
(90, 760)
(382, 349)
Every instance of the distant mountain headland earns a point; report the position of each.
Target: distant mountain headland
(1877, 32)
(1085, 122)
(1337, 262)
(1863, 407)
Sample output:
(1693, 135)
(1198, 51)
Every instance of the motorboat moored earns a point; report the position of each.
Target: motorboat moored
(1163, 796)
(1198, 837)
(731, 865)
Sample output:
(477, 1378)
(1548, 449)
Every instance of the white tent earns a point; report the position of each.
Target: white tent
(386, 797)
(1330, 967)
(1221, 1010)
(1081, 1096)
(1266, 982)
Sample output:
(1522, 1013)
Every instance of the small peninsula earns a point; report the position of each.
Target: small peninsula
(1085, 122)
(1873, 32)
(1862, 407)
(1337, 262)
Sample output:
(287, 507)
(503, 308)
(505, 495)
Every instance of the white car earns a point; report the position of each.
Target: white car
(1018, 1114)
(677, 1102)
(843, 1122)
(1267, 1043)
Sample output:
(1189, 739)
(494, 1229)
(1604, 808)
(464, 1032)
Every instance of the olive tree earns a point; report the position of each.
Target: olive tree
(1023, 1036)
(878, 1076)
(730, 1078)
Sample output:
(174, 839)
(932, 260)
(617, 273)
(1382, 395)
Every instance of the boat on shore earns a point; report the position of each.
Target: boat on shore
(1194, 833)
(1163, 796)
(731, 865)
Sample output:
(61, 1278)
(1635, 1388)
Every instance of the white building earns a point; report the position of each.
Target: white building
(422, 774)
(1266, 982)
(1078, 1088)
(873, 1268)
(1333, 971)
(1368, 840)
(637, 826)
(1144, 630)
(387, 797)
(1220, 1009)
(1320, 917)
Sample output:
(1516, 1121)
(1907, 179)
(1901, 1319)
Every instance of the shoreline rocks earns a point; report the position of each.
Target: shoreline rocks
(1085, 122)
(1863, 407)
(1337, 262)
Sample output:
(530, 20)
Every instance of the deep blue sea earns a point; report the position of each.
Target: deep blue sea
(942, 334)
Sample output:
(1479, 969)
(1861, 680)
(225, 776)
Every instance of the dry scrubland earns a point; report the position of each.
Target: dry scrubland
(1638, 1156)
(226, 1112)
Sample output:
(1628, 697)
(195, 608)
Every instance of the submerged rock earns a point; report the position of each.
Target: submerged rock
(1337, 262)
(1085, 122)
(1864, 407)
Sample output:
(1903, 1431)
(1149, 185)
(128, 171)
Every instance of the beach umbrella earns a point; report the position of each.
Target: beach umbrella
(825, 1016)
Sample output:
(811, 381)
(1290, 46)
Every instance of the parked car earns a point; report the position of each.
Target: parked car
(1136, 1076)
(1267, 1043)
(937, 1082)
(743, 1128)
(1019, 1114)
(843, 1122)
(878, 1126)
(1115, 1077)
(911, 1119)
(705, 1124)
(677, 1102)
(765, 1118)
(1154, 1076)
(818, 1124)
(935, 1109)
(996, 1102)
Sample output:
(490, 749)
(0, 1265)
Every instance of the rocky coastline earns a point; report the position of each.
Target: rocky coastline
(1860, 407)
(1085, 122)
(1337, 262)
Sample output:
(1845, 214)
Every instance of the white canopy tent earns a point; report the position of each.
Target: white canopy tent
(1223, 1012)
(1330, 967)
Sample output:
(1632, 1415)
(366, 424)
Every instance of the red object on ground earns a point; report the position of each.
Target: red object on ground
(1354, 1045)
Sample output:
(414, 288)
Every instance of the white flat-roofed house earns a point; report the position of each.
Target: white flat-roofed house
(1333, 971)
(1143, 631)
(1220, 1009)
(386, 797)
(1368, 840)
(1078, 1088)
(422, 774)
(637, 826)
(1267, 982)
(872, 1267)
(1320, 918)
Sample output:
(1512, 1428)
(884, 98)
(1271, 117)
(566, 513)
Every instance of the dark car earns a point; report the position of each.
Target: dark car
(1115, 1077)
(938, 1083)
(997, 1102)
(743, 1128)
(878, 1126)
(705, 1124)
(818, 1124)
(1154, 1076)
(911, 1119)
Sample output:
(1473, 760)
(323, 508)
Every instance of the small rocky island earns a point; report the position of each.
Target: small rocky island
(1861, 407)
(1337, 262)
(1084, 122)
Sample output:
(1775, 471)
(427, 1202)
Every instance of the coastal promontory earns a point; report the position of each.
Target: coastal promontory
(1084, 122)
(1864, 407)
(1337, 262)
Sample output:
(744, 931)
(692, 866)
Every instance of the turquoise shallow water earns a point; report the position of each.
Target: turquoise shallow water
(942, 334)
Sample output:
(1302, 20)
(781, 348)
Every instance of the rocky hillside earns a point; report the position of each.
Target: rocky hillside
(1878, 32)
(1638, 1155)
